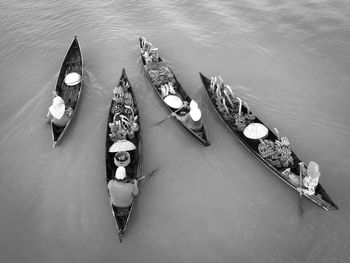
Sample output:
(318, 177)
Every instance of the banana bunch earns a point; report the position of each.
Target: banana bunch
(118, 90)
(266, 148)
(128, 100)
(161, 75)
(277, 153)
(217, 83)
(165, 89)
(284, 151)
(282, 142)
(240, 121)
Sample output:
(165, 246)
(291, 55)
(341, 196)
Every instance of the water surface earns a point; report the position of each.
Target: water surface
(289, 60)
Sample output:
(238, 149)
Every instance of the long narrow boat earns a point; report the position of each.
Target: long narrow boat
(69, 89)
(319, 197)
(180, 92)
(122, 129)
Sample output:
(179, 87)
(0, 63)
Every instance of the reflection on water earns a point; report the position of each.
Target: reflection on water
(288, 60)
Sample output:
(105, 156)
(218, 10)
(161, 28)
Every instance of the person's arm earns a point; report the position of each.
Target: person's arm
(48, 116)
(135, 190)
(185, 106)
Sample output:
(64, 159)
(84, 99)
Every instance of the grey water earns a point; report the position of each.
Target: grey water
(289, 60)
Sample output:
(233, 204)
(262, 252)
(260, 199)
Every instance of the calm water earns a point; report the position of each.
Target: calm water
(289, 60)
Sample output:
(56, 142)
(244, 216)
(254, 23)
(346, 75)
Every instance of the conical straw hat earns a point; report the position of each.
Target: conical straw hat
(72, 79)
(121, 146)
(255, 131)
(57, 108)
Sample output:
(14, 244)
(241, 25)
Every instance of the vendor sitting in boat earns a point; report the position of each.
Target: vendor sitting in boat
(122, 193)
(190, 115)
(58, 114)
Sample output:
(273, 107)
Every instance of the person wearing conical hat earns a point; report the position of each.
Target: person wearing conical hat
(312, 177)
(58, 114)
(190, 115)
(122, 193)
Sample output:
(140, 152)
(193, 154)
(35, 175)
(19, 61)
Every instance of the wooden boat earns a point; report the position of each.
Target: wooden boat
(72, 63)
(120, 107)
(320, 197)
(180, 92)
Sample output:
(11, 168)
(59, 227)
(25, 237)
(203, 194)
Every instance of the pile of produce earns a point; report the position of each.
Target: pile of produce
(230, 105)
(277, 153)
(125, 120)
(162, 75)
(149, 53)
(167, 89)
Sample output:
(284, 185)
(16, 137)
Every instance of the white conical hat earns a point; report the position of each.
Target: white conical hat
(122, 146)
(193, 104)
(57, 108)
(255, 131)
(173, 101)
(195, 114)
(120, 173)
(72, 79)
(313, 170)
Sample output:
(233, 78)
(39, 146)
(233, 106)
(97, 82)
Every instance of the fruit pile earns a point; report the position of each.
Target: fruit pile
(277, 153)
(230, 105)
(162, 75)
(149, 53)
(125, 119)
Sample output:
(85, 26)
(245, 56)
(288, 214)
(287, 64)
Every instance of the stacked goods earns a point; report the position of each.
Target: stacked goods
(277, 153)
(167, 89)
(149, 53)
(230, 105)
(162, 75)
(125, 120)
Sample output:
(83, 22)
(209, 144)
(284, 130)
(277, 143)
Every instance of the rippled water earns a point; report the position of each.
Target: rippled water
(289, 60)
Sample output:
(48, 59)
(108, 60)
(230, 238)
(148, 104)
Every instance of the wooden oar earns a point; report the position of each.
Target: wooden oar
(170, 115)
(300, 203)
(143, 177)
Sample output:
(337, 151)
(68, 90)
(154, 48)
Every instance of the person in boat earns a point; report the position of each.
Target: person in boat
(58, 114)
(311, 179)
(122, 193)
(190, 115)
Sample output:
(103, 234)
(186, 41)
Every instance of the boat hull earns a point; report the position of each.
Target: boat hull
(73, 62)
(321, 198)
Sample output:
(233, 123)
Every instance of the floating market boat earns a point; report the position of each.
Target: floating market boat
(69, 86)
(168, 87)
(123, 139)
(271, 149)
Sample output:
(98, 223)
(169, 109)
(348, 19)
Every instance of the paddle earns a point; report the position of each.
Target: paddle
(170, 115)
(143, 177)
(300, 203)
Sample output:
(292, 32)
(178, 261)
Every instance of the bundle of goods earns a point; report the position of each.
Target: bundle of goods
(125, 120)
(162, 75)
(167, 89)
(277, 153)
(149, 53)
(230, 105)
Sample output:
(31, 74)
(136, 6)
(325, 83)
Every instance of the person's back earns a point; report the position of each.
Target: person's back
(58, 114)
(63, 120)
(189, 122)
(192, 117)
(122, 193)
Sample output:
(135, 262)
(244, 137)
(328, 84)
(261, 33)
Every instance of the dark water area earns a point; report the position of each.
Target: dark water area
(289, 60)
